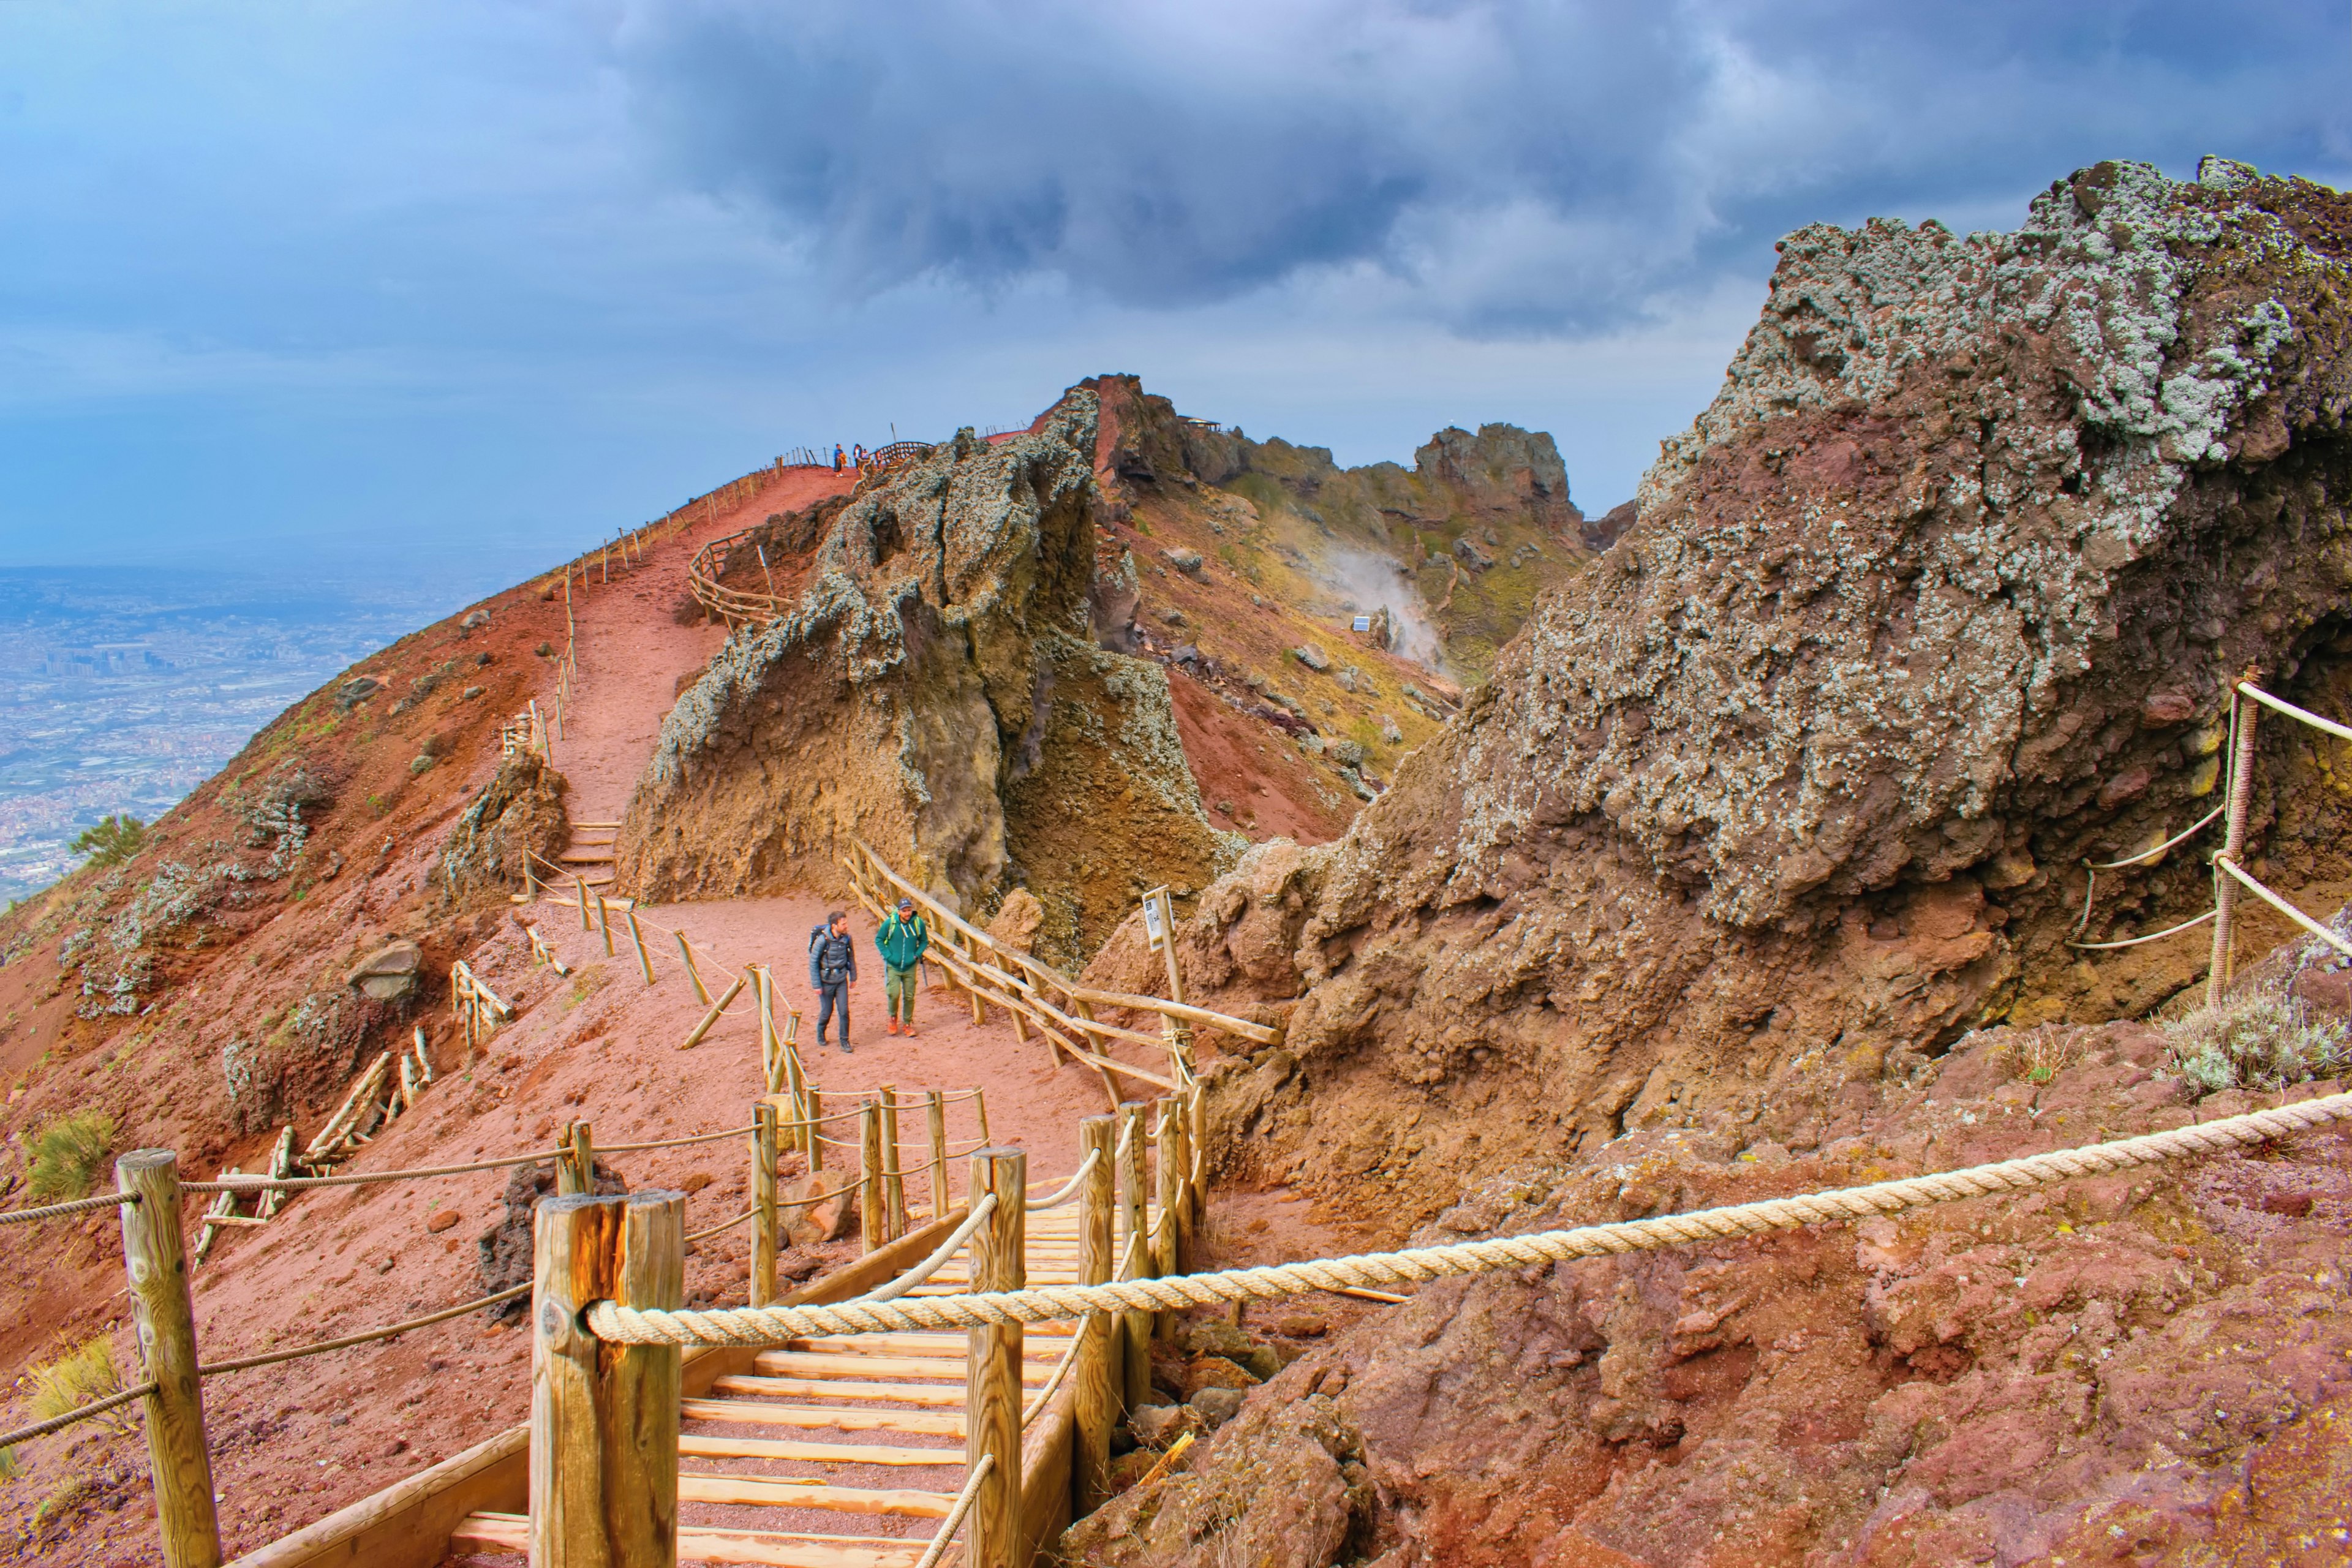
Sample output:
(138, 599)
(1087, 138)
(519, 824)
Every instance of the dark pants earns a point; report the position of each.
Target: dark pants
(828, 996)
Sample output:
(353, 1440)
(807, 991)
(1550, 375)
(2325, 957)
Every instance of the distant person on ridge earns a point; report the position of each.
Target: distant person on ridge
(901, 942)
(833, 970)
(837, 456)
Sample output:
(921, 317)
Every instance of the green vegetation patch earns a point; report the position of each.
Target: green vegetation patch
(68, 1154)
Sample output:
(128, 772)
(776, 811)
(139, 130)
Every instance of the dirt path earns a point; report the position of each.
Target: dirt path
(635, 654)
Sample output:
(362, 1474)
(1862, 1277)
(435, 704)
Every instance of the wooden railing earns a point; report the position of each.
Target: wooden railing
(994, 973)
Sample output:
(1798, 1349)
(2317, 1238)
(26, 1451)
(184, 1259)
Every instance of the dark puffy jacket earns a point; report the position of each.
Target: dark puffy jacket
(832, 959)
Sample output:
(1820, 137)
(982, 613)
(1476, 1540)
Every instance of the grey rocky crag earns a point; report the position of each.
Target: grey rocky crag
(1937, 600)
(939, 692)
(1712, 891)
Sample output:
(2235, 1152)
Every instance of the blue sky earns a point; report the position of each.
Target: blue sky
(446, 290)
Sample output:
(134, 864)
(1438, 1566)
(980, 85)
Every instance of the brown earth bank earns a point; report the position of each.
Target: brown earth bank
(2149, 1367)
(1784, 800)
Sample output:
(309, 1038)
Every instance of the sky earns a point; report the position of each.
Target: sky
(441, 292)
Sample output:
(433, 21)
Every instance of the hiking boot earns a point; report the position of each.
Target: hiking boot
(891, 1027)
(909, 1031)
(845, 1047)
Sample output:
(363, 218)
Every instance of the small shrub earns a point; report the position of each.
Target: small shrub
(2259, 1040)
(9, 1468)
(68, 1154)
(114, 840)
(77, 1378)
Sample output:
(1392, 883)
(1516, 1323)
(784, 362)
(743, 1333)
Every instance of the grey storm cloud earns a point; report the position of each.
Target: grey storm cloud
(1514, 167)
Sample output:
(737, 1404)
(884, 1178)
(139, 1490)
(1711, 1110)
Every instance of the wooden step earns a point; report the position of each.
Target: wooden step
(819, 1419)
(1033, 1342)
(897, 1501)
(944, 1395)
(593, 856)
(511, 1532)
(865, 1368)
(694, 1446)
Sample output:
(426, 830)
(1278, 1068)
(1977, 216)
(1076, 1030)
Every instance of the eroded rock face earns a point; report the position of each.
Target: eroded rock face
(518, 814)
(1937, 601)
(937, 691)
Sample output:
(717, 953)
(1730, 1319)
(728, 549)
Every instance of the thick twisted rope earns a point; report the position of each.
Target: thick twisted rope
(1069, 1189)
(774, 1325)
(57, 1423)
(78, 1205)
(940, 1254)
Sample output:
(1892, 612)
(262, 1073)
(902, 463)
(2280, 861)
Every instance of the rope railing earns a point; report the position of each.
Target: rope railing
(954, 1520)
(716, 1229)
(270, 1358)
(743, 1131)
(2283, 907)
(74, 1205)
(1052, 1384)
(59, 1423)
(362, 1178)
(1069, 1189)
(940, 1254)
(771, 1325)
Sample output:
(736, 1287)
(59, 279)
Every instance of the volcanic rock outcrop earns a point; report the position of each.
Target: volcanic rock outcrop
(1496, 503)
(1937, 600)
(1784, 800)
(937, 691)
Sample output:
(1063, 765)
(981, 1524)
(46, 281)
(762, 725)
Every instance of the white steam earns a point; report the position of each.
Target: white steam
(1373, 581)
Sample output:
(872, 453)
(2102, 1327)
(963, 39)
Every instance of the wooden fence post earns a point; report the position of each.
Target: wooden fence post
(154, 1254)
(686, 956)
(797, 1081)
(580, 885)
(1135, 1354)
(980, 1110)
(771, 1068)
(894, 1182)
(575, 1164)
(1168, 1182)
(992, 1365)
(603, 925)
(604, 1418)
(813, 1114)
(1097, 1400)
(2234, 844)
(763, 1198)
(935, 1123)
(1176, 1180)
(873, 1211)
(644, 959)
(716, 1010)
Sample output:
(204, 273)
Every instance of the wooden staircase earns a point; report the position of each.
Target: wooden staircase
(589, 855)
(836, 1452)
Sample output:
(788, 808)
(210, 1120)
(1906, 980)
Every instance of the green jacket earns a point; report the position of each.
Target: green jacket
(902, 943)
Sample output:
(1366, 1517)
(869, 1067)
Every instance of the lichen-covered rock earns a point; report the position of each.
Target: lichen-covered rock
(1937, 601)
(519, 813)
(937, 691)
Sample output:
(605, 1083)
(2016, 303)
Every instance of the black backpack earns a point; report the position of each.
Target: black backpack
(829, 969)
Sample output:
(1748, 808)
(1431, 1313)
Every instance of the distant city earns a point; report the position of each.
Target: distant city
(121, 691)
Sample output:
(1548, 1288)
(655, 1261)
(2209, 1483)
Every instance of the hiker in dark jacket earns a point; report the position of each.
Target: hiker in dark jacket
(901, 942)
(833, 970)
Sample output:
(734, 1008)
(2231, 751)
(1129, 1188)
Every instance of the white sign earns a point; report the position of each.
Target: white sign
(1363, 623)
(1155, 929)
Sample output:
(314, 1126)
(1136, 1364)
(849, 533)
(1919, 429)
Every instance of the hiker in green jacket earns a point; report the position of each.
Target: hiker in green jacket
(901, 942)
